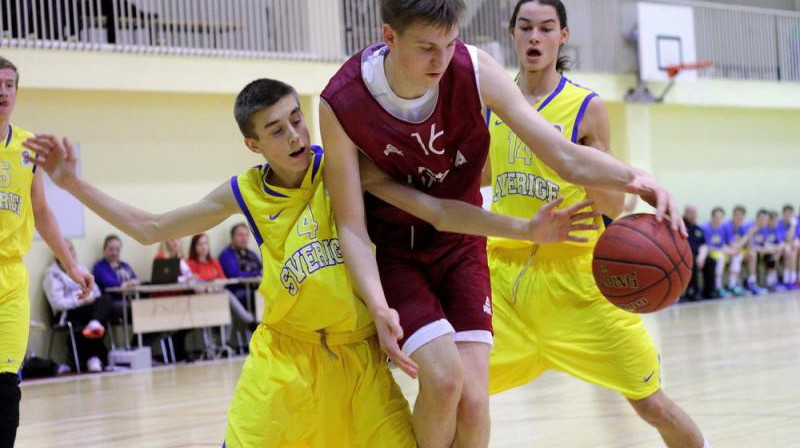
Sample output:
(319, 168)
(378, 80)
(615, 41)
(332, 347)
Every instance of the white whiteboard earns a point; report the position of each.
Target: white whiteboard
(68, 210)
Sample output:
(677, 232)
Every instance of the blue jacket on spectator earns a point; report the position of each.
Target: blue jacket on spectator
(240, 263)
(108, 277)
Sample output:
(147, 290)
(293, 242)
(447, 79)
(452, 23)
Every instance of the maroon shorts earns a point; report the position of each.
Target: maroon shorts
(448, 280)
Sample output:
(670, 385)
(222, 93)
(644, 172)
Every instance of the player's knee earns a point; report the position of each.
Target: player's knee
(446, 382)
(656, 410)
(9, 401)
(473, 408)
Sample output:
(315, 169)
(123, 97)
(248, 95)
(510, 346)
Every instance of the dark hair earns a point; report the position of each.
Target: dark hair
(255, 97)
(564, 62)
(401, 14)
(740, 209)
(788, 208)
(762, 211)
(717, 209)
(236, 226)
(193, 247)
(109, 239)
(6, 64)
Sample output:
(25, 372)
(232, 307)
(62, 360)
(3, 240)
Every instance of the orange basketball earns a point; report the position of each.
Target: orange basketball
(642, 265)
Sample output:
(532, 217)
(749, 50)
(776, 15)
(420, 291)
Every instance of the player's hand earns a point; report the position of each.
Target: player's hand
(84, 279)
(55, 156)
(389, 332)
(553, 226)
(656, 195)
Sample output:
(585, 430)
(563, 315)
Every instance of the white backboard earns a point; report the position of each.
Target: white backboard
(666, 38)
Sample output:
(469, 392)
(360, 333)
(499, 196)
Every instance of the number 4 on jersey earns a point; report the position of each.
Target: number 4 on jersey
(307, 225)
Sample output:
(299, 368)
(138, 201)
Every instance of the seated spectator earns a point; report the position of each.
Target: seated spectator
(796, 246)
(760, 250)
(716, 238)
(90, 313)
(774, 246)
(206, 268)
(697, 243)
(174, 249)
(112, 272)
(737, 237)
(787, 229)
(240, 262)
(201, 263)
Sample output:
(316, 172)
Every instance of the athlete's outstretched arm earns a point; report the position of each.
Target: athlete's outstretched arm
(344, 185)
(47, 226)
(575, 163)
(57, 157)
(450, 215)
(594, 132)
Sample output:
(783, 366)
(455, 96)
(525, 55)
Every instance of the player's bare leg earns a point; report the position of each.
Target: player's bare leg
(673, 423)
(752, 270)
(441, 377)
(473, 425)
(789, 264)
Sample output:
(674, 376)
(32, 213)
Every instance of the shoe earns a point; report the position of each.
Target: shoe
(738, 291)
(722, 293)
(756, 290)
(777, 287)
(94, 365)
(93, 330)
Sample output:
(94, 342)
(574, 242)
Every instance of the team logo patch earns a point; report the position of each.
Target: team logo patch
(487, 306)
(275, 216)
(26, 158)
(429, 177)
(460, 159)
(391, 149)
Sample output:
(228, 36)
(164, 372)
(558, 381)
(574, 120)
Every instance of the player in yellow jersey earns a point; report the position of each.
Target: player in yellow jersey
(23, 207)
(548, 312)
(315, 375)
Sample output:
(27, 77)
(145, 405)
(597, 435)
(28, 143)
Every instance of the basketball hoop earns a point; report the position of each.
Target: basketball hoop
(641, 94)
(674, 70)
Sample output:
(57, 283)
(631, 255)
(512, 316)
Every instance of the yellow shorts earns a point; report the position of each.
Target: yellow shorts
(294, 393)
(559, 320)
(718, 255)
(14, 315)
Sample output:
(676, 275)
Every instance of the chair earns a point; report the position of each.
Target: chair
(59, 322)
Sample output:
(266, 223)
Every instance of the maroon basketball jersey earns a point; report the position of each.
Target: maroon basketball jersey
(442, 156)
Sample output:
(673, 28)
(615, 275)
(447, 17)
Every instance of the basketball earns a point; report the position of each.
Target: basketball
(642, 265)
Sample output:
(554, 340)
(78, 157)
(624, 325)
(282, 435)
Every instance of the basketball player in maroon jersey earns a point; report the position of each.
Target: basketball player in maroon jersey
(414, 106)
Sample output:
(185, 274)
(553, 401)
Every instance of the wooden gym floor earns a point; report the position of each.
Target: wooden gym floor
(733, 365)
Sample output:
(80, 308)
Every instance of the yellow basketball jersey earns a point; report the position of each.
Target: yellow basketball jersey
(305, 283)
(521, 182)
(16, 211)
